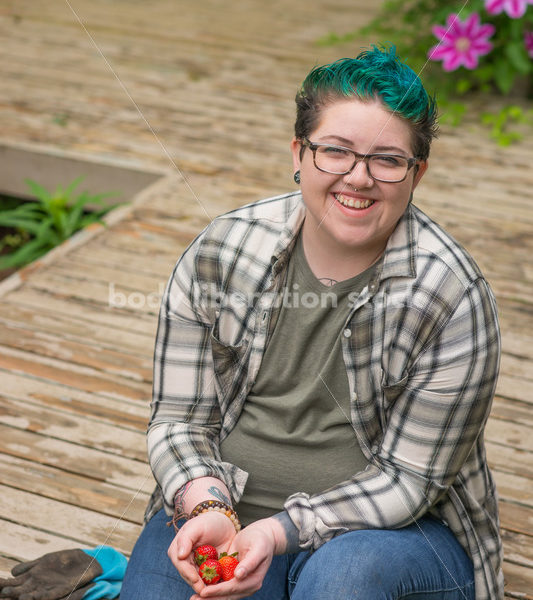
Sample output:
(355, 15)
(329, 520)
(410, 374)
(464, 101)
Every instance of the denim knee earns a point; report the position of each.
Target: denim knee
(386, 565)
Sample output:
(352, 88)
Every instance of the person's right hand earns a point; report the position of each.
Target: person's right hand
(207, 528)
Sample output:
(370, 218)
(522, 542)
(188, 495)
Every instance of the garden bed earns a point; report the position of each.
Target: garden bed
(49, 196)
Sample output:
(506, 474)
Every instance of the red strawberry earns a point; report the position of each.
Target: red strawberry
(210, 571)
(202, 553)
(229, 564)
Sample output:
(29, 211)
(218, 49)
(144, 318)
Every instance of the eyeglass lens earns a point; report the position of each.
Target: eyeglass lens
(338, 160)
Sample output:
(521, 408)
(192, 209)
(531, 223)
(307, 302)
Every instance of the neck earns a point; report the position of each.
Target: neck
(330, 261)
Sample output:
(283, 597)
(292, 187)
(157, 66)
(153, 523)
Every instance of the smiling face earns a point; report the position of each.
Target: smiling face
(332, 227)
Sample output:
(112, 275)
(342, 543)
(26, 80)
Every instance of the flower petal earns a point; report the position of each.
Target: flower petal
(442, 32)
(485, 31)
(470, 60)
(481, 48)
(472, 24)
(454, 23)
(440, 51)
(515, 8)
(494, 7)
(452, 62)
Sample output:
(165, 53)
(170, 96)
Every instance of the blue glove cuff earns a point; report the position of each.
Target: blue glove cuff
(108, 584)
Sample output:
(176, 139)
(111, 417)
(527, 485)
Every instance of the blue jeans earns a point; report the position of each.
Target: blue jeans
(422, 561)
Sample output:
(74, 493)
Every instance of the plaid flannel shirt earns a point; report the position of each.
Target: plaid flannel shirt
(421, 348)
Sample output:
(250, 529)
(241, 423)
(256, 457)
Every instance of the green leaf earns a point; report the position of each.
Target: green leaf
(61, 225)
(39, 191)
(454, 113)
(485, 73)
(462, 86)
(488, 119)
(518, 57)
(30, 210)
(28, 253)
(72, 186)
(507, 138)
(515, 112)
(19, 222)
(503, 76)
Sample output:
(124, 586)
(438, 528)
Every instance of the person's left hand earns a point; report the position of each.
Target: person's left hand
(256, 544)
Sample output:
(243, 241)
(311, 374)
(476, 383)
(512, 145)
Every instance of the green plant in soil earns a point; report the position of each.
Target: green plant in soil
(35, 227)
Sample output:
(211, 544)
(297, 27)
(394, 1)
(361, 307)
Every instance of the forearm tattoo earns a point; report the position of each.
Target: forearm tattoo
(179, 498)
(219, 495)
(291, 532)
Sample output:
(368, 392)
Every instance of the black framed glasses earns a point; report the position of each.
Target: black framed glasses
(338, 160)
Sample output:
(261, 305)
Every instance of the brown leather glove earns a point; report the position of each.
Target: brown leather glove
(54, 576)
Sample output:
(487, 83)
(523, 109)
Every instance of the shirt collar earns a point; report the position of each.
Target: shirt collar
(288, 236)
(400, 255)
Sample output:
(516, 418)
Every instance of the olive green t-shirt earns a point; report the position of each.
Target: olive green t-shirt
(294, 433)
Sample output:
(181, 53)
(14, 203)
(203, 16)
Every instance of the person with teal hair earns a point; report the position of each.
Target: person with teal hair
(324, 367)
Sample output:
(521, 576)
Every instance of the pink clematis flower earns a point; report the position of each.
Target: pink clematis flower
(528, 41)
(461, 42)
(514, 8)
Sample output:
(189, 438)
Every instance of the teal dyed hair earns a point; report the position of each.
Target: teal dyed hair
(375, 74)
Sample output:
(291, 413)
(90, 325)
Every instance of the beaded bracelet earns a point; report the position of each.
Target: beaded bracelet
(216, 505)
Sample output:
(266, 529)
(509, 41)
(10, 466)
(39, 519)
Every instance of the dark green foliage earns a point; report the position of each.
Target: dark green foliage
(44, 224)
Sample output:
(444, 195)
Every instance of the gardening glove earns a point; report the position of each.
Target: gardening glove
(73, 574)
(113, 565)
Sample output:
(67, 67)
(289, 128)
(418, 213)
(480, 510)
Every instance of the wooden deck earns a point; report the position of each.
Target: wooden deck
(214, 82)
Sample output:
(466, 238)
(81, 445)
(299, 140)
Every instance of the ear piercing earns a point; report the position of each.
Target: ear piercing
(297, 177)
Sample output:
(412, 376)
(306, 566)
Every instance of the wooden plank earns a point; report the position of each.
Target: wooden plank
(514, 488)
(72, 458)
(516, 518)
(70, 488)
(518, 548)
(69, 427)
(510, 460)
(71, 522)
(6, 564)
(137, 238)
(159, 265)
(72, 375)
(517, 366)
(514, 411)
(519, 581)
(96, 356)
(93, 291)
(125, 413)
(518, 344)
(80, 320)
(129, 279)
(509, 433)
(517, 388)
(22, 543)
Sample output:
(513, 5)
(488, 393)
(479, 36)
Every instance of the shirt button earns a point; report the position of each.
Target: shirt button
(354, 398)
(347, 333)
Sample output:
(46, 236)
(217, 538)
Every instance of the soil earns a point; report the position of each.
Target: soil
(6, 272)
(7, 202)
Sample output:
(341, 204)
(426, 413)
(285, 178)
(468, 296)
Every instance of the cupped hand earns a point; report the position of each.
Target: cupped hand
(207, 528)
(256, 544)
